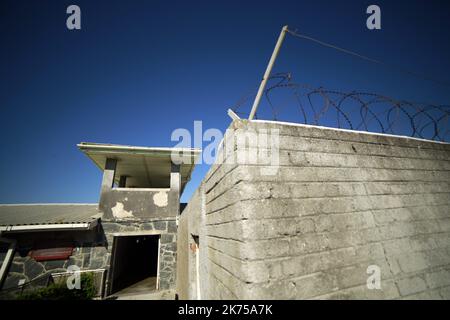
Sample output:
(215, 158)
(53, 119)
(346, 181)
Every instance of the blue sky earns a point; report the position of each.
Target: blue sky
(137, 70)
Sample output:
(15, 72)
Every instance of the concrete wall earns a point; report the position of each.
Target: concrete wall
(132, 204)
(191, 224)
(183, 282)
(338, 203)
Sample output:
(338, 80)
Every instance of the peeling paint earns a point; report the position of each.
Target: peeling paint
(119, 212)
(160, 199)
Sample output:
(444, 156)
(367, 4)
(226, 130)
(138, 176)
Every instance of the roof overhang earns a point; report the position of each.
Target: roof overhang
(144, 167)
(50, 227)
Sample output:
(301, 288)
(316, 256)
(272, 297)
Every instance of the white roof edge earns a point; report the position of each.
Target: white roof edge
(47, 204)
(115, 147)
(50, 227)
(345, 130)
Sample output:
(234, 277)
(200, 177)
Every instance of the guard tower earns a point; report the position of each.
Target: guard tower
(140, 203)
(140, 182)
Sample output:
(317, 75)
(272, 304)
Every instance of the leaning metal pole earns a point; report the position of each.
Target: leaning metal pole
(267, 73)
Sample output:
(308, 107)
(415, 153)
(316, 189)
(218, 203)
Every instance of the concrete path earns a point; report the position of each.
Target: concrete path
(144, 286)
(143, 290)
(155, 295)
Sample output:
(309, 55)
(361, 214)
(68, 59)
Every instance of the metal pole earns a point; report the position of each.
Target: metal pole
(267, 73)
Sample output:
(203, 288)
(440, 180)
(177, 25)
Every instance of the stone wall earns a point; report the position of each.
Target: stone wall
(167, 228)
(339, 202)
(92, 250)
(25, 268)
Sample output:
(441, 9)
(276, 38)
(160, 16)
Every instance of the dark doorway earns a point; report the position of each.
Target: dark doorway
(134, 261)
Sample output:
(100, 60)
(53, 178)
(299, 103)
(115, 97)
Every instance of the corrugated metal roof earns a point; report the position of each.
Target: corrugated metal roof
(31, 214)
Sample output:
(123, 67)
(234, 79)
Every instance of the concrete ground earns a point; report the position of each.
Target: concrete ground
(143, 286)
(155, 295)
(143, 290)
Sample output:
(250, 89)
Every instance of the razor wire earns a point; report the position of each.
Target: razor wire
(355, 110)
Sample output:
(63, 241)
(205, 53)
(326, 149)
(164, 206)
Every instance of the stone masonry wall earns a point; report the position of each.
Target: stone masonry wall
(93, 251)
(27, 269)
(168, 245)
(339, 202)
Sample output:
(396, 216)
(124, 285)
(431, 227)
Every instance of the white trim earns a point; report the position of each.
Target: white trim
(197, 271)
(88, 146)
(49, 227)
(157, 266)
(293, 124)
(46, 204)
(137, 233)
(139, 189)
(112, 262)
(8, 258)
(80, 271)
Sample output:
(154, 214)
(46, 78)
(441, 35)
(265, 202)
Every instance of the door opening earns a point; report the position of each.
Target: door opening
(134, 263)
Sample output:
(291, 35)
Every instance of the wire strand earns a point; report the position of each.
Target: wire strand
(355, 110)
(355, 54)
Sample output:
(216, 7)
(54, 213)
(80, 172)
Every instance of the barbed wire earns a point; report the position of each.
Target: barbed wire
(362, 111)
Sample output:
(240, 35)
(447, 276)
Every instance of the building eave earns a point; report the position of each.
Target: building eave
(50, 227)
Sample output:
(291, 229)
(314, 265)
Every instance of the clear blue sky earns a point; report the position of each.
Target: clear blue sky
(140, 69)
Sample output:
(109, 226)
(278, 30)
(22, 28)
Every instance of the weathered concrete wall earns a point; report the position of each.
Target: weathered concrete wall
(191, 224)
(183, 281)
(338, 203)
(145, 203)
(129, 204)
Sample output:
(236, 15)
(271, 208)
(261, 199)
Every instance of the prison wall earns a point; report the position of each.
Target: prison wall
(182, 273)
(193, 275)
(340, 205)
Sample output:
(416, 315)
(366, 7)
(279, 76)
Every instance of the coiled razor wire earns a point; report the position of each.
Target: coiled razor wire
(354, 110)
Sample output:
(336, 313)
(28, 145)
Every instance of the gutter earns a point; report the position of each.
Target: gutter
(50, 227)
